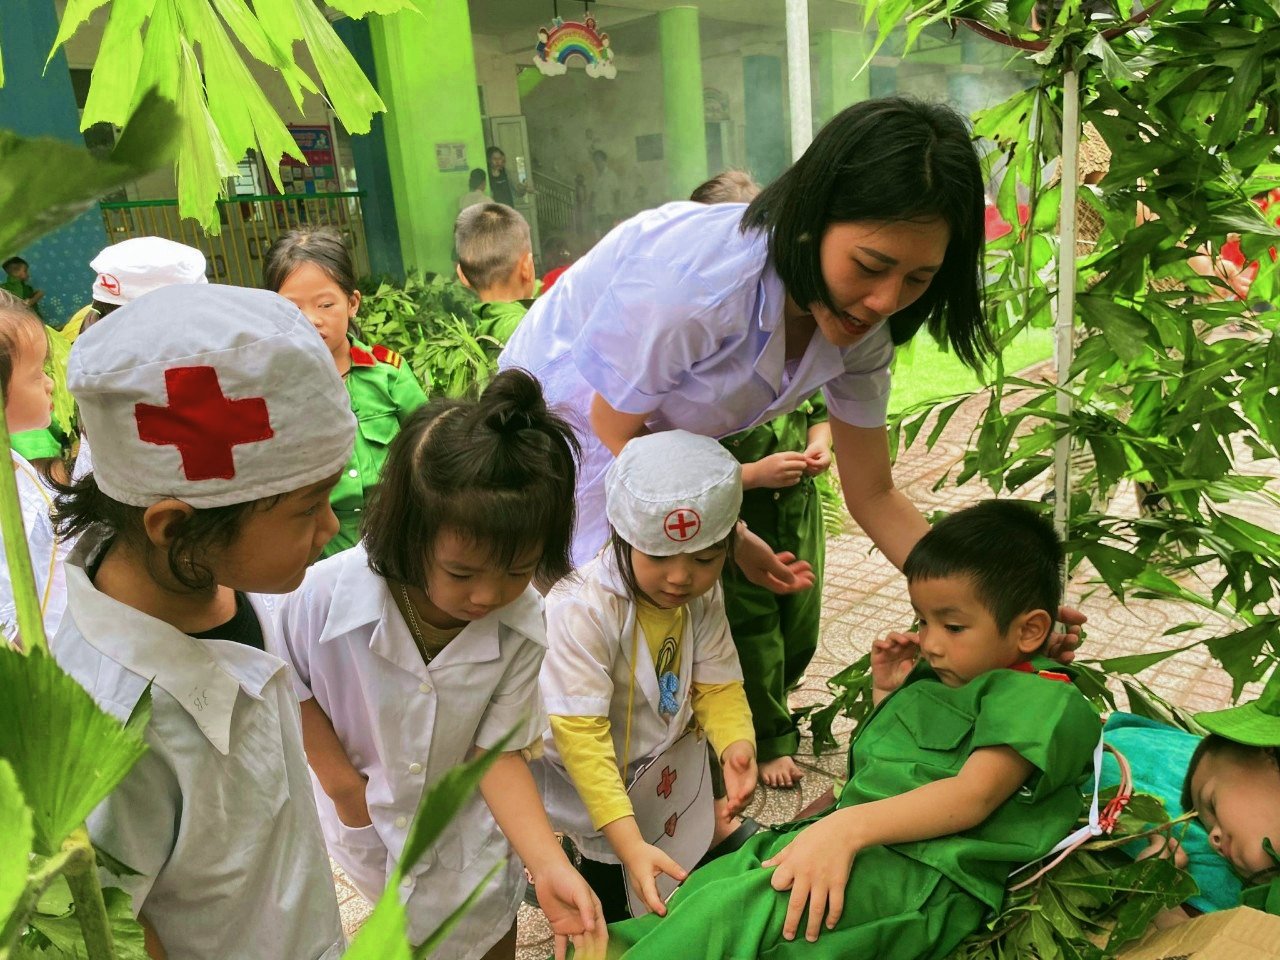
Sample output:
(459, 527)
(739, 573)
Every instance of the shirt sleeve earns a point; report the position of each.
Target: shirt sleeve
(715, 658)
(585, 745)
(860, 396)
(406, 392)
(576, 678)
(723, 712)
(1048, 722)
(516, 705)
(818, 409)
(646, 334)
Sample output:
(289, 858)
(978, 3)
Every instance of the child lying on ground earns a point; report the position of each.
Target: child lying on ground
(968, 767)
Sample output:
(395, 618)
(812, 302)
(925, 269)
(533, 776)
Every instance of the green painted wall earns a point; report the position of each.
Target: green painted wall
(684, 125)
(427, 76)
(836, 56)
(766, 128)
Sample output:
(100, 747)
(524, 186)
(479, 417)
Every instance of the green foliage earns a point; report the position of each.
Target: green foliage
(16, 836)
(432, 324)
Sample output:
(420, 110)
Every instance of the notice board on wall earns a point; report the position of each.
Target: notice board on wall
(320, 172)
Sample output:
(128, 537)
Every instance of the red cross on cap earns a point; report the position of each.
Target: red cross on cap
(682, 524)
(202, 423)
(109, 283)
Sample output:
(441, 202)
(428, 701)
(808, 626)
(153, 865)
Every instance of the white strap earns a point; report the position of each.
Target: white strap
(1092, 829)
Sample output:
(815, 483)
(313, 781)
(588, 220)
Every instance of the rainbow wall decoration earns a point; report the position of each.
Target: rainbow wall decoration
(564, 40)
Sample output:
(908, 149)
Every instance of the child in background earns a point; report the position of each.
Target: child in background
(421, 647)
(476, 188)
(311, 267)
(220, 426)
(556, 259)
(17, 281)
(638, 650)
(1233, 782)
(776, 634)
(28, 399)
(969, 766)
(495, 259)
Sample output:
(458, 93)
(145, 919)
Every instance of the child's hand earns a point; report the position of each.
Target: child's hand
(892, 659)
(1165, 848)
(815, 868)
(740, 774)
(644, 862)
(1062, 646)
(352, 807)
(572, 909)
(775, 471)
(817, 458)
(780, 573)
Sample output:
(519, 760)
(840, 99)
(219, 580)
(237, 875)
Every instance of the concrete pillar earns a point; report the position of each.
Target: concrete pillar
(369, 151)
(37, 102)
(837, 56)
(766, 133)
(685, 125)
(426, 74)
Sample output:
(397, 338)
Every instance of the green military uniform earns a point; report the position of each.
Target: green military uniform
(776, 636)
(499, 319)
(383, 393)
(40, 444)
(908, 901)
(22, 290)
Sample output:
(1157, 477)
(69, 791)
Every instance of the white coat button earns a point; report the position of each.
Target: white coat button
(424, 688)
(407, 882)
(415, 768)
(353, 473)
(401, 823)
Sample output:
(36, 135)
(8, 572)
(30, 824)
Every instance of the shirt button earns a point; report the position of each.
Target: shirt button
(777, 495)
(355, 510)
(401, 823)
(424, 688)
(353, 473)
(415, 768)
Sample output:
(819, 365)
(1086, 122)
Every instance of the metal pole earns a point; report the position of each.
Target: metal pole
(1064, 326)
(799, 92)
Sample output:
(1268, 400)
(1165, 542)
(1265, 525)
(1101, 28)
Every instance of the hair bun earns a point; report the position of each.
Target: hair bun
(512, 402)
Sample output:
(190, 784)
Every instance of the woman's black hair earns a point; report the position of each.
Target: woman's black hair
(621, 551)
(322, 246)
(499, 470)
(1218, 746)
(18, 325)
(887, 159)
(81, 506)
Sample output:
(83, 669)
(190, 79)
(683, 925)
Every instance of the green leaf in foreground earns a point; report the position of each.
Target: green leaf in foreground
(66, 753)
(15, 840)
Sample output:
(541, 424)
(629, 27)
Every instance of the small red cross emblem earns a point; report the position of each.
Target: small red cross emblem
(202, 423)
(670, 825)
(109, 284)
(682, 524)
(668, 781)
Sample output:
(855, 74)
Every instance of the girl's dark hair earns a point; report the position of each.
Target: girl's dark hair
(82, 505)
(18, 323)
(1217, 746)
(627, 569)
(886, 159)
(499, 470)
(322, 246)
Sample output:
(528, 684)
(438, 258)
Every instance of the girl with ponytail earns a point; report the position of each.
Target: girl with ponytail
(421, 647)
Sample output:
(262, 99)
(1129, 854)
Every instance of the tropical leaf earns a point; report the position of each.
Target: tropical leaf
(384, 936)
(16, 835)
(442, 932)
(67, 754)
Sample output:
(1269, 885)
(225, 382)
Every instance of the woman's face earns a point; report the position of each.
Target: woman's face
(874, 268)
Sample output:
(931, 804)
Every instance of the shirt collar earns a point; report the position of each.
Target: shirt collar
(361, 356)
(203, 677)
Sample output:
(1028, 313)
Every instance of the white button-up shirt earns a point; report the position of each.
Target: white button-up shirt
(591, 631)
(47, 555)
(678, 314)
(404, 724)
(217, 817)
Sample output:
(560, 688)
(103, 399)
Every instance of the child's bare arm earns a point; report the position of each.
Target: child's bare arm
(815, 866)
(151, 940)
(339, 778)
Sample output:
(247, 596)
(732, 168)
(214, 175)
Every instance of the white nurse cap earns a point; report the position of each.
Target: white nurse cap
(131, 268)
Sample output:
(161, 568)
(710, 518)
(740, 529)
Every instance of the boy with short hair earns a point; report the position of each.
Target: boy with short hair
(477, 184)
(968, 767)
(495, 259)
(18, 282)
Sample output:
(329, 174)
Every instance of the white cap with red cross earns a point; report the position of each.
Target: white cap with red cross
(210, 394)
(673, 492)
(128, 269)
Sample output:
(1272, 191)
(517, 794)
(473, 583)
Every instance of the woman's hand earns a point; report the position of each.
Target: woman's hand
(892, 659)
(776, 471)
(572, 909)
(740, 774)
(1062, 646)
(779, 572)
(815, 867)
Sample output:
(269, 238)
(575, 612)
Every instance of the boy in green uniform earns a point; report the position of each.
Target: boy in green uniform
(1233, 782)
(969, 766)
(495, 259)
(17, 280)
(777, 635)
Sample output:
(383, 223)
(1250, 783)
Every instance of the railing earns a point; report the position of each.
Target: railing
(249, 226)
(557, 206)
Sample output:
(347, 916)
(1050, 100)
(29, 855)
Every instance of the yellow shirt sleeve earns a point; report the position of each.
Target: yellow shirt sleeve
(721, 710)
(586, 747)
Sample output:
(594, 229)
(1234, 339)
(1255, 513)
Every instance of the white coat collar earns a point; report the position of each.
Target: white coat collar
(203, 677)
(821, 363)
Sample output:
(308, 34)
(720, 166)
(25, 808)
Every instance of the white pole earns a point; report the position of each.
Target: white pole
(799, 93)
(1064, 327)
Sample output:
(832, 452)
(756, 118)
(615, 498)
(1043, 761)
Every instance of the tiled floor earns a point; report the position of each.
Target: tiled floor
(864, 597)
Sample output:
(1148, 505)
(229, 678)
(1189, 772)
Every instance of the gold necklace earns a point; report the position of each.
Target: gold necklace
(415, 630)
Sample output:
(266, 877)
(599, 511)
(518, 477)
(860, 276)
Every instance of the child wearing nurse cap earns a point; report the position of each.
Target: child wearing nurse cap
(218, 440)
(638, 651)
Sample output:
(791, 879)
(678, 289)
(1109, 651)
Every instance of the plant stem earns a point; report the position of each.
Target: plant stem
(86, 891)
(18, 556)
(37, 883)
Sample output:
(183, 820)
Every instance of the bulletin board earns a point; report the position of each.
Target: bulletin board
(320, 173)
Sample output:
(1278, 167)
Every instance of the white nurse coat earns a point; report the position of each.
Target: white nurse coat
(404, 724)
(590, 628)
(678, 314)
(217, 816)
